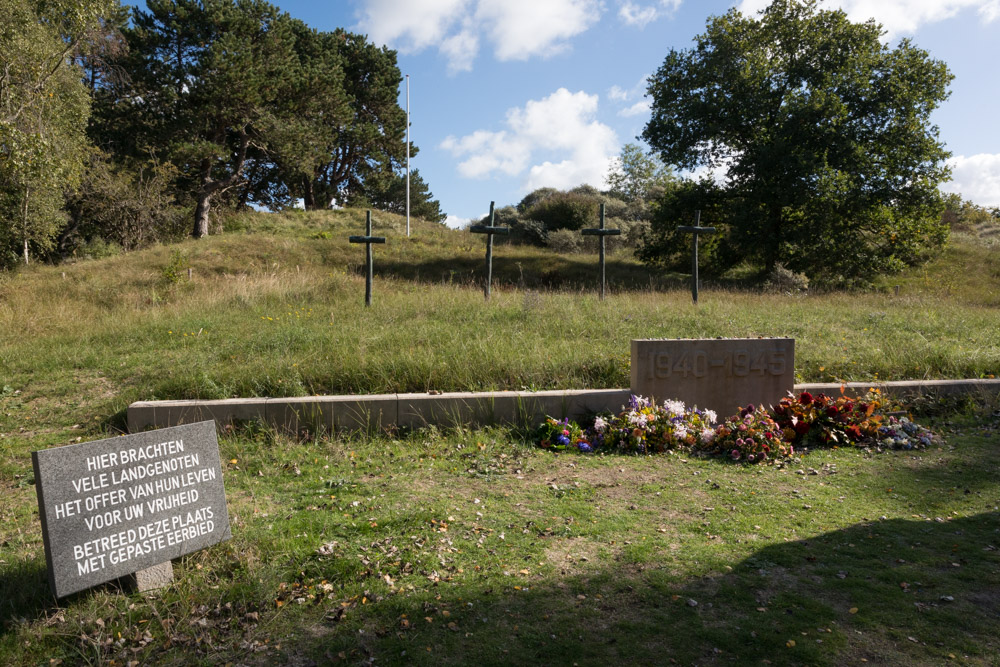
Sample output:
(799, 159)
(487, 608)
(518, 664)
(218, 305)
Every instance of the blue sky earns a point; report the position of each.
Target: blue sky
(510, 95)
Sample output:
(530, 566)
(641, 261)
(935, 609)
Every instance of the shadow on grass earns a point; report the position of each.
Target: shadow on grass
(889, 592)
(560, 272)
(24, 592)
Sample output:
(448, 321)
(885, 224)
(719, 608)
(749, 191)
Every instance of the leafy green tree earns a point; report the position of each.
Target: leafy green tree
(208, 83)
(389, 194)
(43, 115)
(367, 141)
(637, 175)
(824, 133)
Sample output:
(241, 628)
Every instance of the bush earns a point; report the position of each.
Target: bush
(566, 210)
(565, 241)
(129, 206)
(786, 280)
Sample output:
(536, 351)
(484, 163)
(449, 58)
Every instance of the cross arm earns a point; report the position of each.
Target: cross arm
(486, 229)
(601, 232)
(366, 239)
(696, 230)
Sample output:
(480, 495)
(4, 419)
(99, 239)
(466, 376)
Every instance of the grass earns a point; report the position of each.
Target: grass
(459, 547)
(376, 548)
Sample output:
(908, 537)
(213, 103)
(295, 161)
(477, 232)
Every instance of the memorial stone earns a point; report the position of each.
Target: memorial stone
(115, 507)
(716, 374)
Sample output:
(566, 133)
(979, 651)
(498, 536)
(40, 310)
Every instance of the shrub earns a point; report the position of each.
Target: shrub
(565, 241)
(786, 280)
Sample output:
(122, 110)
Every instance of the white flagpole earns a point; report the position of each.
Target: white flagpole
(407, 155)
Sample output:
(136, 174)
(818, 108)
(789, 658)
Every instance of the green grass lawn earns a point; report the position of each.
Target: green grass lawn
(472, 546)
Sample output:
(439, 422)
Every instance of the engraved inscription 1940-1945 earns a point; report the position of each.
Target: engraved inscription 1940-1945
(717, 374)
(739, 362)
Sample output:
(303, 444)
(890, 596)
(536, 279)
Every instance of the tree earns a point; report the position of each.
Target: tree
(208, 83)
(824, 133)
(370, 139)
(43, 115)
(637, 175)
(389, 194)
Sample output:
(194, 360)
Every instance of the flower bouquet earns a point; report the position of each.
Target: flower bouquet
(751, 437)
(562, 434)
(644, 426)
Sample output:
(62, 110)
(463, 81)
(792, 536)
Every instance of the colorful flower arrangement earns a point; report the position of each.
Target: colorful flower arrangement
(562, 435)
(754, 435)
(751, 436)
(824, 421)
(646, 427)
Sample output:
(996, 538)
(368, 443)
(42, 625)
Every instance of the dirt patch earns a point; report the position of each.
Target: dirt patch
(574, 555)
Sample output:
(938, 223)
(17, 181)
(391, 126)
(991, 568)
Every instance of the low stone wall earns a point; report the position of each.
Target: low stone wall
(374, 413)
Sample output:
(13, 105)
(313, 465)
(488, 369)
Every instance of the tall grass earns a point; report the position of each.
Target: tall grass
(280, 312)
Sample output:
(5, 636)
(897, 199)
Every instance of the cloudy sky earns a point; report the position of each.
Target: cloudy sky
(510, 95)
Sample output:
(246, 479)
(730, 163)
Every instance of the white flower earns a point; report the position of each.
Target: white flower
(707, 435)
(600, 425)
(681, 431)
(710, 416)
(675, 408)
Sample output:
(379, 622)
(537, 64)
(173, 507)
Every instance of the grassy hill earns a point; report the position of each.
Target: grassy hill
(475, 546)
(274, 307)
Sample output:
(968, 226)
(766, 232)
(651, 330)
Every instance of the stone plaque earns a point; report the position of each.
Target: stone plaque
(715, 374)
(113, 507)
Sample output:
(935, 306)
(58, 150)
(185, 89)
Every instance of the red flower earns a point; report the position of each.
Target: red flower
(802, 428)
(805, 398)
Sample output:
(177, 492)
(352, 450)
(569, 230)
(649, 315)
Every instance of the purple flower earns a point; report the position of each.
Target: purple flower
(735, 454)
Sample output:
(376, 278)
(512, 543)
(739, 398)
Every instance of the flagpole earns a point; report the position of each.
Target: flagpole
(407, 155)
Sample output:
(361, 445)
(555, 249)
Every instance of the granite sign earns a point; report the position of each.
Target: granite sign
(110, 508)
(720, 374)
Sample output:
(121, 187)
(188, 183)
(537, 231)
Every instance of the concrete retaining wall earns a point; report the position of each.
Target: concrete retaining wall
(518, 408)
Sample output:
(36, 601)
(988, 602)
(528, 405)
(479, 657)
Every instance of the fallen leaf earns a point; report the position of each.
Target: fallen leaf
(852, 610)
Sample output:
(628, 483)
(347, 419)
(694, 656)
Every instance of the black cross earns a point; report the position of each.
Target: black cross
(489, 230)
(368, 240)
(696, 230)
(600, 233)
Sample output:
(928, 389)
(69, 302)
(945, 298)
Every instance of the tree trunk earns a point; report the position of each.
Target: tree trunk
(24, 224)
(775, 237)
(309, 194)
(201, 215)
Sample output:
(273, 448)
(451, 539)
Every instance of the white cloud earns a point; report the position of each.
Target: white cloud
(617, 94)
(897, 16)
(516, 29)
(411, 25)
(456, 222)
(637, 109)
(633, 98)
(637, 15)
(520, 29)
(560, 130)
(976, 178)
(640, 16)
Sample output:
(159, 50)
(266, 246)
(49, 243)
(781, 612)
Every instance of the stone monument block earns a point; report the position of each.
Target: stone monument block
(114, 507)
(721, 374)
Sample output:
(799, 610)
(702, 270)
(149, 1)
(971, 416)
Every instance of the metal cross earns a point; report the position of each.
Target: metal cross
(696, 231)
(600, 233)
(489, 230)
(368, 240)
